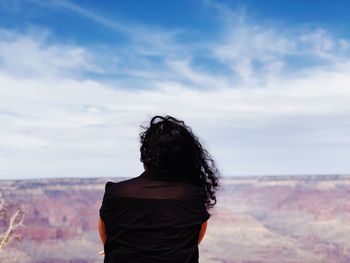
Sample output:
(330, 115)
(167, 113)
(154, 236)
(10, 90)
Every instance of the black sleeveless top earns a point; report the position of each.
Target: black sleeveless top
(154, 217)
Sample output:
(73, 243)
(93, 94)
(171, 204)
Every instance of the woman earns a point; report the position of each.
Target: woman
(161, 215)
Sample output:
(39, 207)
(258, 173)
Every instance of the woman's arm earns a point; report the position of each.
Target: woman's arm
(202, 231)
(102, 230)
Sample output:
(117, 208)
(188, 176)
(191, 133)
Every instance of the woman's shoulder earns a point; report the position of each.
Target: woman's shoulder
(119, 186)
(147, 188)
(119, 183)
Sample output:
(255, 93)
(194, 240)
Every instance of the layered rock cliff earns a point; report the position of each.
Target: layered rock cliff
(257, 219)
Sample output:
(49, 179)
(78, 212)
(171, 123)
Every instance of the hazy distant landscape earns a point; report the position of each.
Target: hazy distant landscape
(257, 219)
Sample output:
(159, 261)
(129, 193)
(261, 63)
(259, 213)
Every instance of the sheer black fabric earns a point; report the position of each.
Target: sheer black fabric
(154, 217)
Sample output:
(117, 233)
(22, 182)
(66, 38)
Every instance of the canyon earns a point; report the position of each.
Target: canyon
(269, 219)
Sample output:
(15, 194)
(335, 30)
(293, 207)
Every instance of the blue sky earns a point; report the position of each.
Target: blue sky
(264, 84)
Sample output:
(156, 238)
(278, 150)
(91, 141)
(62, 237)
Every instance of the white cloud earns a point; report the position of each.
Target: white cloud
(270, 120)
(31, 55)
(258, 51)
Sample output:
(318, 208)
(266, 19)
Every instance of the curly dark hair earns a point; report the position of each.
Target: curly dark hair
(170, 144)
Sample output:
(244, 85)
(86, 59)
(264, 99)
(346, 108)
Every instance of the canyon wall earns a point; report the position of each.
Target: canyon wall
(257, 219)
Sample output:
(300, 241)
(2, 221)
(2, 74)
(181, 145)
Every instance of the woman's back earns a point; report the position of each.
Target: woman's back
(155, 217)
(160, 216)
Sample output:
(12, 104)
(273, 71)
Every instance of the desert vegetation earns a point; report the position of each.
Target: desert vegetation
(11, 219)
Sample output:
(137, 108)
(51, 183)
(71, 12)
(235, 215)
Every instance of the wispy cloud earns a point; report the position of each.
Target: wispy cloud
(278, 105)
(254, 51)
(31, 55)
(89, 14)
(146, 40)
